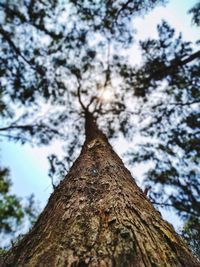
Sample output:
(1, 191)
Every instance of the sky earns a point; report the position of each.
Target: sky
(29, 165)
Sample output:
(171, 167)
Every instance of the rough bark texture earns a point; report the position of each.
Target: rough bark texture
(98, 216)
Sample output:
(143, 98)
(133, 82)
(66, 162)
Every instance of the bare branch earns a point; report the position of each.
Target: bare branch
(190, 58)
(91, 101)
(107, 81)
(11, 127)
(185, 104)
(79, 95)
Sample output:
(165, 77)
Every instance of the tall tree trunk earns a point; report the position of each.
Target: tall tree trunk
(98, 216)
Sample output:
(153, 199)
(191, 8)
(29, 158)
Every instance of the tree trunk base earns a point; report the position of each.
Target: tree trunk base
(98, 217)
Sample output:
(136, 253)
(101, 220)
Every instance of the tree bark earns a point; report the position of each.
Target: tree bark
(99, 217)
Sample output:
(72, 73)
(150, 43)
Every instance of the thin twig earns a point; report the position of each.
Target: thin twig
(79, 95)
(99, 103)
(17, 138)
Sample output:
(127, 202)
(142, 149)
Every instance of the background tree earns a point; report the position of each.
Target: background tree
(174, 124)
(10, 205)
(190, 233)
(14, 214)
(53, 54)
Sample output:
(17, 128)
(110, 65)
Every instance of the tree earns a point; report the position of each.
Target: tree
(98, 216)
(13, 213)
(191, 233)
(172, 132)
(10, 205)
(67, 52)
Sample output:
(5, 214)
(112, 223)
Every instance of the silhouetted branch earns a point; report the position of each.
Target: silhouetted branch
(79, 95)
(175, 63)
(16, 138)
(22, 127)
(181, 208)
(123, 7)
(190, 58)
(29, 128)
(162, 204)
(91, 101)
(18, 52)
(185, 104)
(23, 19)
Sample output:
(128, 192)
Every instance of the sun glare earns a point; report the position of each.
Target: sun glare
(106, 96)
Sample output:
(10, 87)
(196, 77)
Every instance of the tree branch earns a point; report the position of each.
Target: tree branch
(91, 101)
(18, 52)
(185, 104)
(123, 6)
(17, 138)
(23, 19)
(29, 128)
(11, 127)
(180, 209)
(79, 95)
(190, 58)
(175, 63)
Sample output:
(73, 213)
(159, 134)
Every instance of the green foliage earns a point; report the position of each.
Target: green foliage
(13, 213)
(62, 56)
(191, 233)
(2, 251)
(49, 49)
(172, 131)
(195, 11)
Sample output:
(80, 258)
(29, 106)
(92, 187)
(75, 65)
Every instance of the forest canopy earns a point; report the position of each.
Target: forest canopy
(65, 56)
